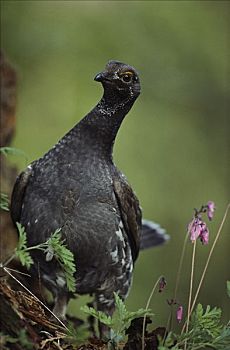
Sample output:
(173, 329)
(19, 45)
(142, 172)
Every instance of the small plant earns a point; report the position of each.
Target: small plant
(54, 247)
(21, 251)
(120, 321)
(202, 328)
(206, 331)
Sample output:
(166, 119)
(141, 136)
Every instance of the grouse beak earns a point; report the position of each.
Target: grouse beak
(100, 77)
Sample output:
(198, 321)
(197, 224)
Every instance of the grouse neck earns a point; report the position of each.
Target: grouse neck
(101, 125)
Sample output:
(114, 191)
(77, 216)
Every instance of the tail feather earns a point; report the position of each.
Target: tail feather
(152, 235)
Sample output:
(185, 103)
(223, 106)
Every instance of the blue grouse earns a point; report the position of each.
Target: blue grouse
(76, 187)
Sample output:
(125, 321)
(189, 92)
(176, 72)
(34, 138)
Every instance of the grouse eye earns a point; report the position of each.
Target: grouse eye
(127, 77)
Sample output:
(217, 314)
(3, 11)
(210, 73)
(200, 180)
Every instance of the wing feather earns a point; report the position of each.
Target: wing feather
(130, 212)
(18, 194)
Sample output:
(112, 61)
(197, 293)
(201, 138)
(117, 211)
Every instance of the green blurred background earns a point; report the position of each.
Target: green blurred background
(173, 146)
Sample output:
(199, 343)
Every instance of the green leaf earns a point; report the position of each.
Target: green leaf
(55, 247)
(228, 288)
(99, 315)
(222, 342)
(131, 315)
(120, 307)
(21, 249)
(204, 330)
(206, 323)
(7, 151)
(4, 202)
(120, 320)
(125, 316)
(22, 240)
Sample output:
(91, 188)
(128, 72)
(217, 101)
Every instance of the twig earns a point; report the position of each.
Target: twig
(20, 272)
(169, 321)
(180, 267)
(146, 308)
(190, 291)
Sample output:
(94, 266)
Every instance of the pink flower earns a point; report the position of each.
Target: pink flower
(204, 236)
(195, 228)
(198, 229)
(179, 314)
(210, 209)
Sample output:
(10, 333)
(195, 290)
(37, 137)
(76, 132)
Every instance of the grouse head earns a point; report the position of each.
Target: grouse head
(119, 79)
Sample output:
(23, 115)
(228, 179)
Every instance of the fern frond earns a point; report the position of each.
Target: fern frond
(21, 249)
(55, 247)
(99, 315)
